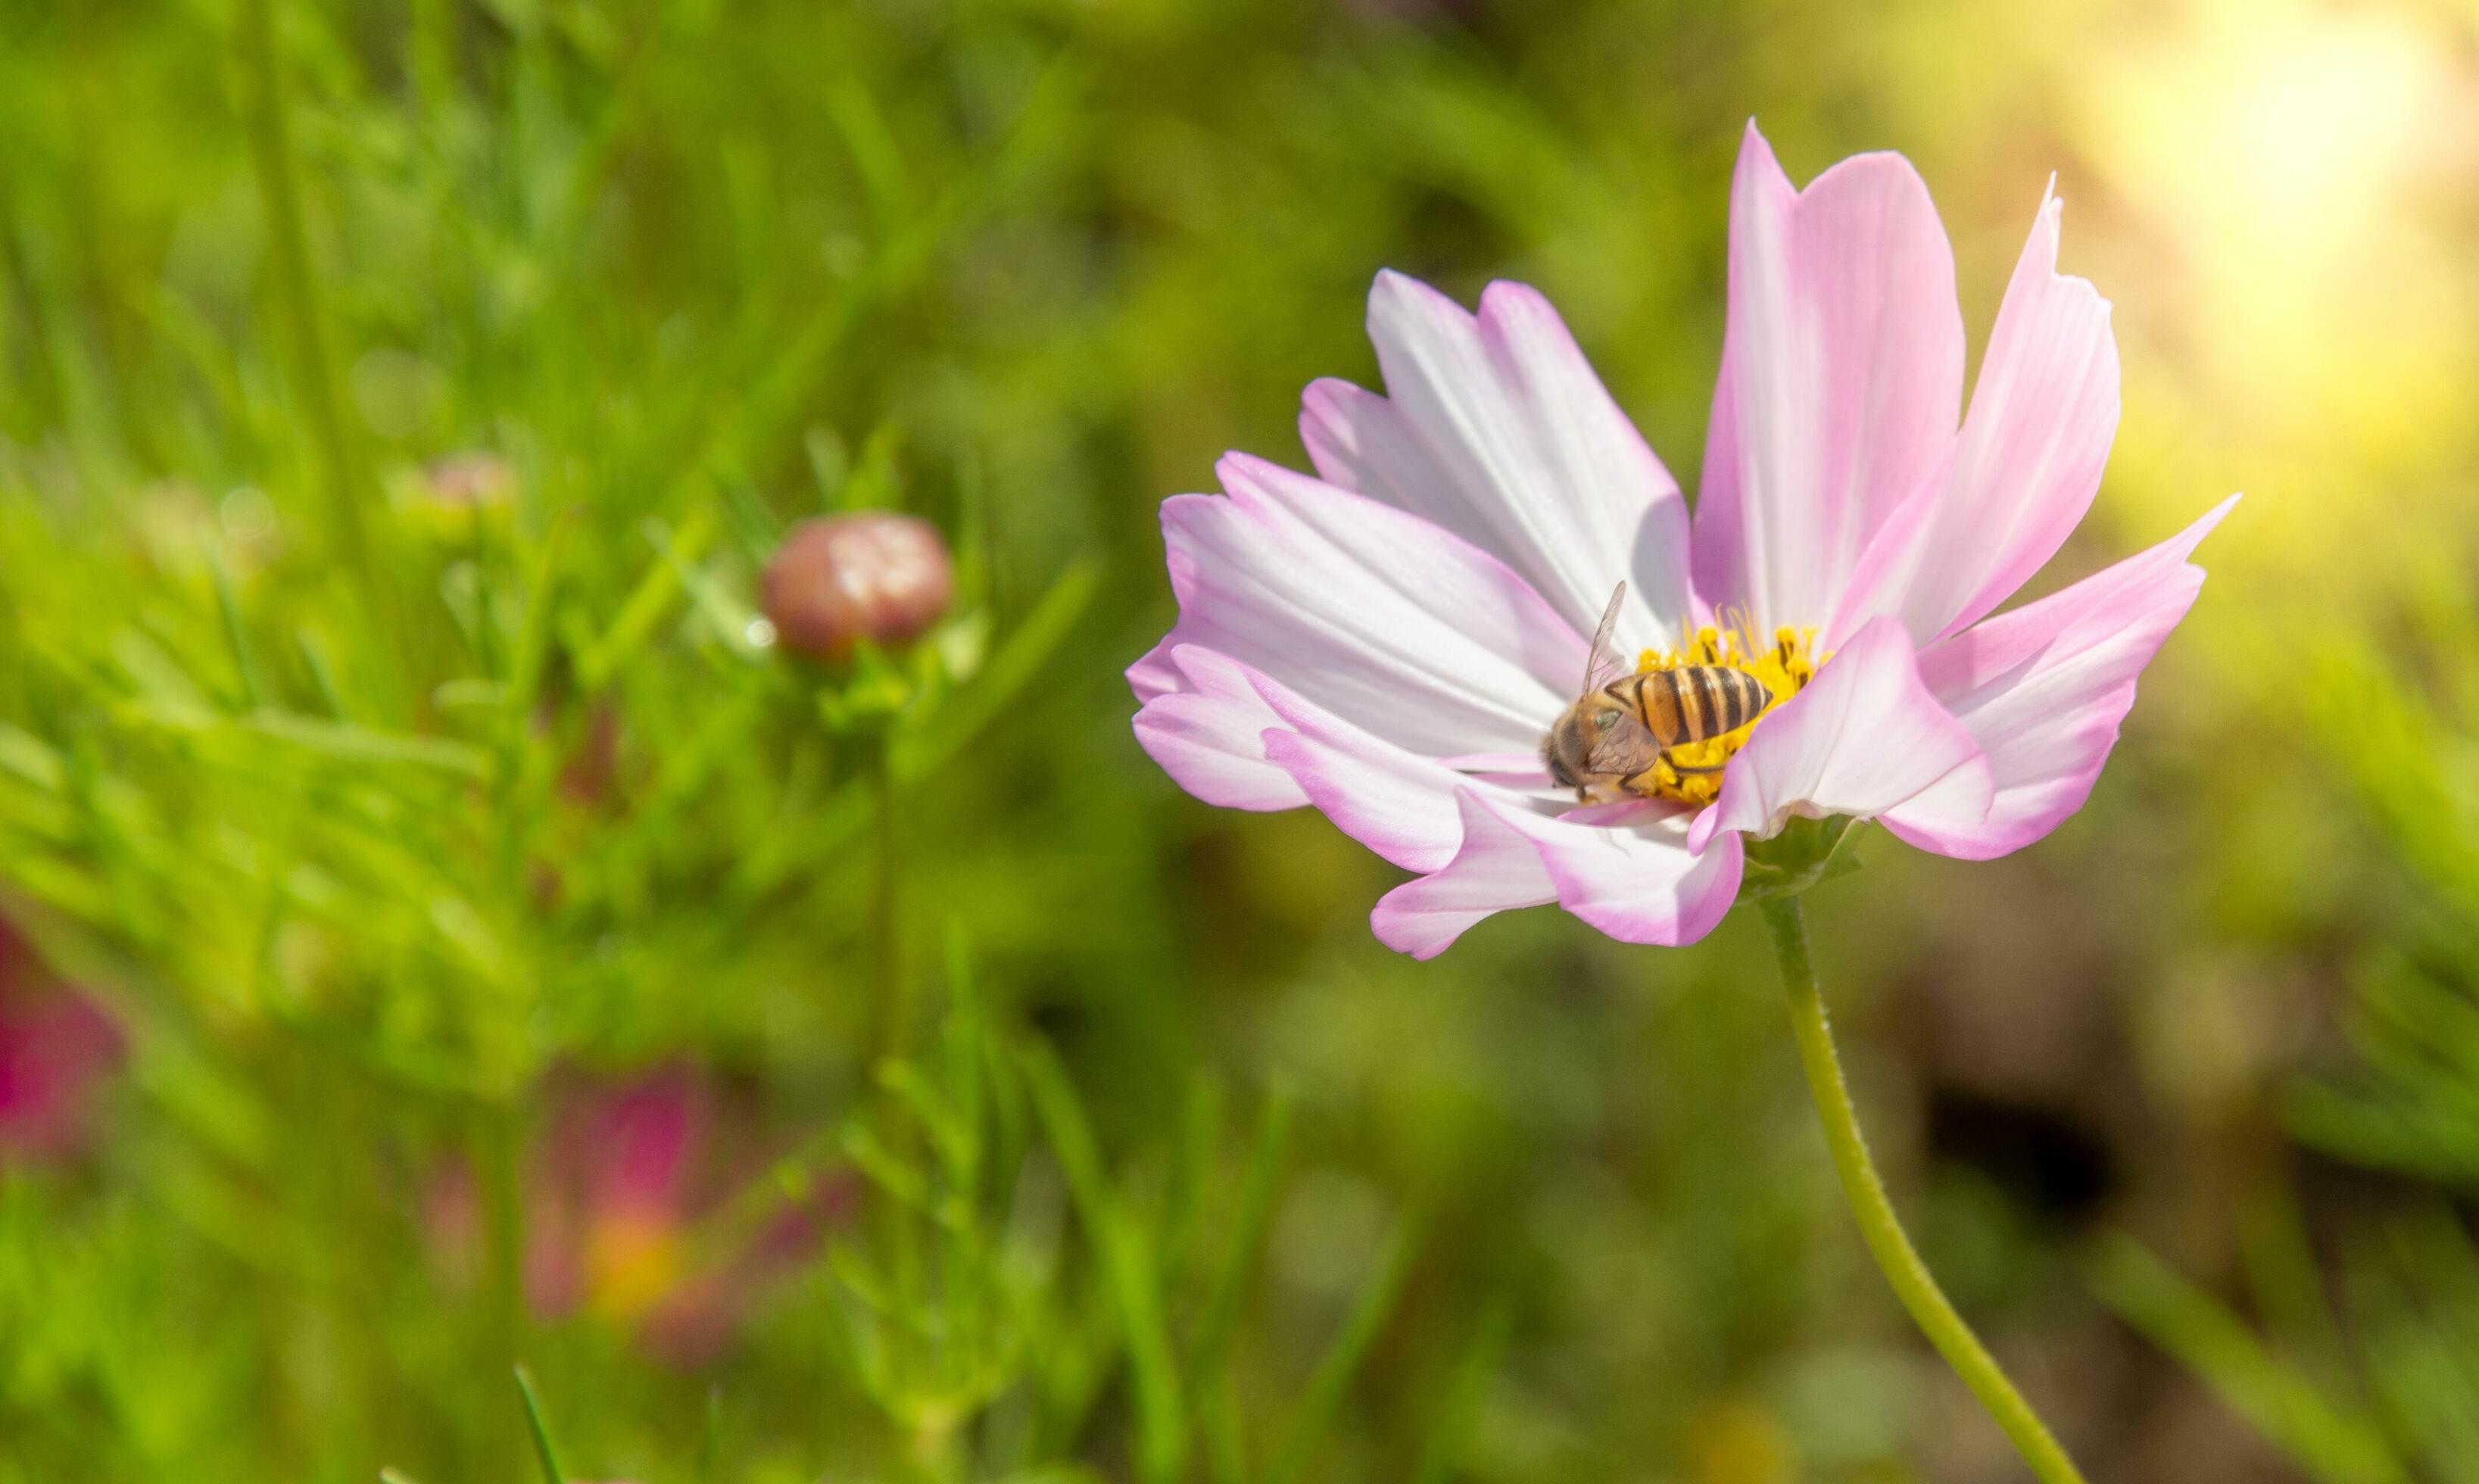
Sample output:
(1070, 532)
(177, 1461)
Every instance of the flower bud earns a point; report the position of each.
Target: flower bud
(871, 575)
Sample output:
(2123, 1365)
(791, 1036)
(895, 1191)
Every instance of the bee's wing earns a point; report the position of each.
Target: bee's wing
(1601, 663)
(1625, 748)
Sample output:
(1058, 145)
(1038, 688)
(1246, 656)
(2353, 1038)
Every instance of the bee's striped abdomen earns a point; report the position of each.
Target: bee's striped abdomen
(1697, 701)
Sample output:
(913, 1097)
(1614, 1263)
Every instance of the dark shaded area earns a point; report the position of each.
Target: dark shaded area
(2047, 1161)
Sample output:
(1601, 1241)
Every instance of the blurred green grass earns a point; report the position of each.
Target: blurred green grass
(384, 822)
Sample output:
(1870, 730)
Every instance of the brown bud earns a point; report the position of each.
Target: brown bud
(871, 575)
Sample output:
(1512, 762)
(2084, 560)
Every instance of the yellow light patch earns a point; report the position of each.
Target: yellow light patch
(1785, 667)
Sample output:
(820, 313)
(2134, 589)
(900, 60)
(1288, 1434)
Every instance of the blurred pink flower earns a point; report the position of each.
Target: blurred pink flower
(610, 1196)
(1390, 641)
(626, 1215)
(56, 1048)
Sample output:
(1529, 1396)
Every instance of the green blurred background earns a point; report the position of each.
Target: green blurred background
(453, 937)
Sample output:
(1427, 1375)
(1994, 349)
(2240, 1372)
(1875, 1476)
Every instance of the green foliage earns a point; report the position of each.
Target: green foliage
(2367, 1377)
(2399, 719)
(987, 1329)
(2332, 1440)
(2396, 1401)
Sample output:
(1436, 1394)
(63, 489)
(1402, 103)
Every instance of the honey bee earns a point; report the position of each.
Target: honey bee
(1620, 729)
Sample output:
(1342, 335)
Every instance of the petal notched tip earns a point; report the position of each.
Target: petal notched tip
(2040, 250)
(1508, 306)
(1394, 294)
(2185, 541)
(1870, 171)
(1755, 151)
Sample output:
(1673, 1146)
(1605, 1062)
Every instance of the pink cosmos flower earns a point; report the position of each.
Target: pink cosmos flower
(57, 1047)
(630, 1199)
(1390, 640)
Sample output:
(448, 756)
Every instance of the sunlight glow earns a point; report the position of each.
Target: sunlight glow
(2277, 147)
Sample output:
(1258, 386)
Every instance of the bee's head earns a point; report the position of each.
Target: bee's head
(1554, 751)
(1568, 748)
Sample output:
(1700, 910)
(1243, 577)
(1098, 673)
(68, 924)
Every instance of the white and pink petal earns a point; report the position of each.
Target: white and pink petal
(1236, 736)
(1496, 427)
(1864, 737)
(1368, 612)
(1206, 726)
(2043, 690)
(1841, 379)
(1625, 869)
(2043, 415)
(1401, 806)
(1495, 869)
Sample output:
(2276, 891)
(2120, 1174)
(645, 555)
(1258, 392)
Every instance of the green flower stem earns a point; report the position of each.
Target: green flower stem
(891, 1043)
(295, 289)
(1895, 1255)
(893, 1033)
(497, 1143)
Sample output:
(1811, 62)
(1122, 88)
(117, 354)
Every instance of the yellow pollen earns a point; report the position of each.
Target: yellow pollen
(1785, 667)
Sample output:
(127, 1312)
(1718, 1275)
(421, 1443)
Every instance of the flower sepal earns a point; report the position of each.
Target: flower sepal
(874, 694)
(1807, 852)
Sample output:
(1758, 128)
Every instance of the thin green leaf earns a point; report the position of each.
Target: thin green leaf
(1014, 666)
(1336, 1372)
(1135, 1280)
(1248, 1223)
(2333, 1446)
(543, 1453)
(1451, 1432)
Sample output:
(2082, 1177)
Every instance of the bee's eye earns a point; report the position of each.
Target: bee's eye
(1605, 719)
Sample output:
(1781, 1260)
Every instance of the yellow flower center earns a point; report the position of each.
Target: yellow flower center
(1785, 667)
